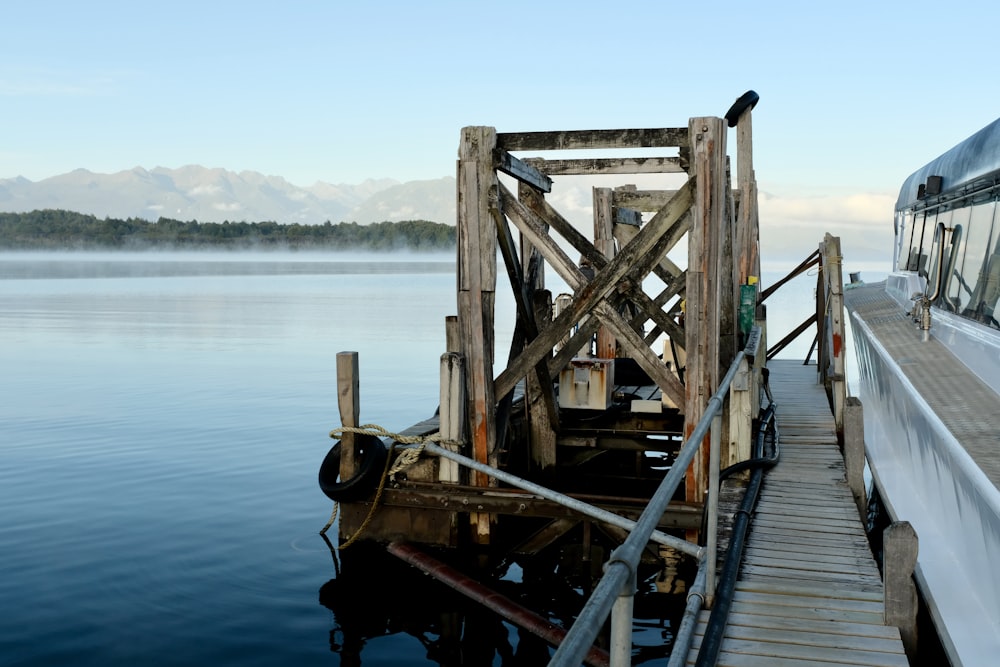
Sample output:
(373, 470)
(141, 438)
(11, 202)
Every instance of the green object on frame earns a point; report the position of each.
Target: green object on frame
(748, 308)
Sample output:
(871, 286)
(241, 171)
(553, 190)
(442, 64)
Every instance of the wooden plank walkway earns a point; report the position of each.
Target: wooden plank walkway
(809, 591)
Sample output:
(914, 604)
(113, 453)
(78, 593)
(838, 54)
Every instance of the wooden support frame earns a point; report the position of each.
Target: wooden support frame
(609, 301)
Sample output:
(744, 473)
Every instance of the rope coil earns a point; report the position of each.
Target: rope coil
(407, 457)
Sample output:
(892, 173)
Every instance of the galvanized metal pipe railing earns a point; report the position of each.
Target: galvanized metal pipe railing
(572, 503)
(620, 571)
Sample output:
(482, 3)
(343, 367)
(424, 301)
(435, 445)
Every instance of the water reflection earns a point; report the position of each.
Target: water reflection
(374, 596)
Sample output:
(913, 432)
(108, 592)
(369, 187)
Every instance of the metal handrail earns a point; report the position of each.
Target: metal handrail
(617, 587)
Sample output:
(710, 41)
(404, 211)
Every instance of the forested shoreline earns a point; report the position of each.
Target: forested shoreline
(54, 229)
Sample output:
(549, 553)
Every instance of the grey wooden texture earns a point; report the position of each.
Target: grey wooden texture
(809, 591)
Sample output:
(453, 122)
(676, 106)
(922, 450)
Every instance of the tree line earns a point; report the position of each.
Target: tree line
(54, 229)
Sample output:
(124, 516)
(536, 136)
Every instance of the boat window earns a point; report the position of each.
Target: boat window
(904, 238)
(952, 287)
(933, 254)
(979, 270)
(923, 227)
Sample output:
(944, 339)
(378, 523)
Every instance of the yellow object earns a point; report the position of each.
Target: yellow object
(752, 280)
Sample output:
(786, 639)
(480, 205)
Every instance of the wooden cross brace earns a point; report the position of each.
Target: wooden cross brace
(616, 279)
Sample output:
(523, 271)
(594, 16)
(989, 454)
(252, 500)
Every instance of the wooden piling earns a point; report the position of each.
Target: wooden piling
(477, 267)
(349, 404)
(452, 414)
(899, 549)
(854, 452)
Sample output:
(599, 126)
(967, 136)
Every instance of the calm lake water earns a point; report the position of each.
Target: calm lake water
(162, 423)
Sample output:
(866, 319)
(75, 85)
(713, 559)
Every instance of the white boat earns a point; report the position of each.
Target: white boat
(928, 345)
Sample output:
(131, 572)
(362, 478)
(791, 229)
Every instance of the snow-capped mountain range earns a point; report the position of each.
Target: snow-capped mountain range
(216, 195)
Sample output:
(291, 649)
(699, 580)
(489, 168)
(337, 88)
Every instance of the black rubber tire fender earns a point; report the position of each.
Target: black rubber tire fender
(371, 456)
(747, 100)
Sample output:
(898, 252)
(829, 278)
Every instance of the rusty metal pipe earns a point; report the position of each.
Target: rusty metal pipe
(502, 605)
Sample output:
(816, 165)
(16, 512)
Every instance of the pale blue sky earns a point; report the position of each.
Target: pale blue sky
(854, 95)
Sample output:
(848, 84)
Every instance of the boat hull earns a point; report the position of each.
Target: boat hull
(925, 476)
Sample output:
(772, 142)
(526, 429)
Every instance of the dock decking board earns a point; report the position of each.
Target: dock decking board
(809, 591)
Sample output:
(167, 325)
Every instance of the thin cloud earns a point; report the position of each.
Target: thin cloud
(21, 82)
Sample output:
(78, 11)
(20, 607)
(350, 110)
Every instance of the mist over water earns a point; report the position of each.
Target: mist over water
(161, 430)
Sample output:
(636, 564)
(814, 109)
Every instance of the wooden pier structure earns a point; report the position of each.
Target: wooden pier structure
(621, 405)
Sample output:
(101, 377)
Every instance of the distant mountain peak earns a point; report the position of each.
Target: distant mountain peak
(214, 194)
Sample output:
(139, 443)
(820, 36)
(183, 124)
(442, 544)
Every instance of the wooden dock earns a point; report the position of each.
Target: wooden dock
(809, 590)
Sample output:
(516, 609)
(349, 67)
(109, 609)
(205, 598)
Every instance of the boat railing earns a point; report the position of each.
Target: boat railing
(615, 592)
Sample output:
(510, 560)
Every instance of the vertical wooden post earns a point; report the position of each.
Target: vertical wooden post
(452, 413)
(854, 452)
(452, 336)
(835, 308)
(350, 409)
(740, 417)
(477, 266)
(701, 324)
(604, 243)
(542, 432)
(726, 269)
(747, 229)
(900, 546)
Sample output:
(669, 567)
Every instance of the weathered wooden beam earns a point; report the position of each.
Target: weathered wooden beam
(736, 447)
(533, 228)
(432, 499)
(900, 547)
(627, 216)
(635, 260)
(477, 182)
(652, 311)
(701, 324)
(543, 417)
(349, 404)
(604, 243)
(647, 201)
(854, 453)
(452, 414)
(748, 229)
(668, 270)
(583, 139)
(452, 334)
(523, 172)
(638, 350)
(729, 281)
(551, 217)
(599, 166)
(835, 332)
(526, 324)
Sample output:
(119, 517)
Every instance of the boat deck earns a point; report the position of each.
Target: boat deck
(809, 590)
(936, 375)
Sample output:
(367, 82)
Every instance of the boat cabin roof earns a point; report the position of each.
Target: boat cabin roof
(975, 159)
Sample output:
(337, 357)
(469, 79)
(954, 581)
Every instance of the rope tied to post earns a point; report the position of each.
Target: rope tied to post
(407, 457)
